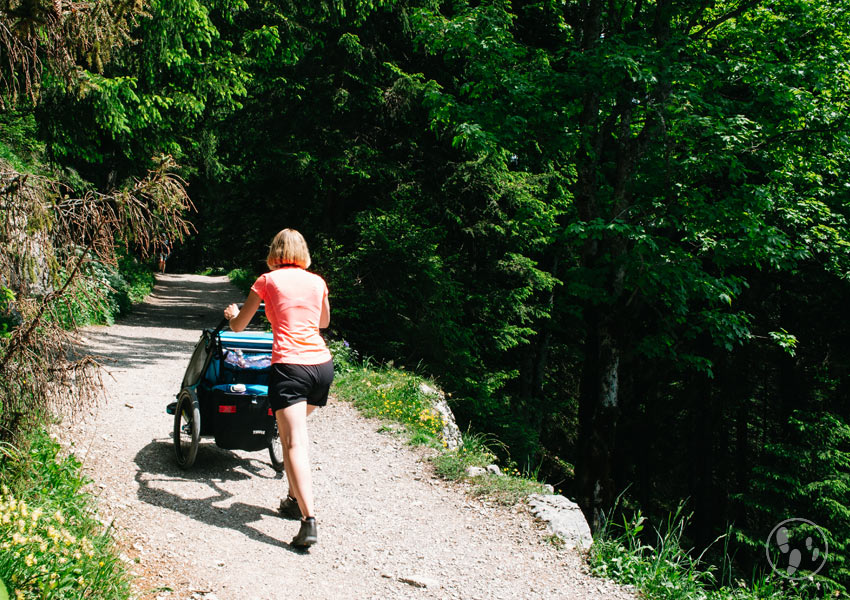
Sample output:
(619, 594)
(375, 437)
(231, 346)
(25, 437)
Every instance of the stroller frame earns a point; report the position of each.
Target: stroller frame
(226, 400)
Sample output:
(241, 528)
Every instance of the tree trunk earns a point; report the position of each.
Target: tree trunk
(599, 409)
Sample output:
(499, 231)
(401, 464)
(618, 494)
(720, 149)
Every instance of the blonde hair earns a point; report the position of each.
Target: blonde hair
(288, 248)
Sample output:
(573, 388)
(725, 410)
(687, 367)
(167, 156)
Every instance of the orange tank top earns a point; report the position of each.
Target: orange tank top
(294, 299)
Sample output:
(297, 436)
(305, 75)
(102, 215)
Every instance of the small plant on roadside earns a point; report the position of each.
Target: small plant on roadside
(51, 544)
(474, 452)
(243, 279)
(506, 490)
(346, 358)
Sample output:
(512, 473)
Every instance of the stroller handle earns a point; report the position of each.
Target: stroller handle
(261, 310)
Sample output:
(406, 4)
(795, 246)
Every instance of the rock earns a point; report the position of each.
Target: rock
(450, 433)
(494, 469)
(419, 581)
(475, 471)
(563, 518)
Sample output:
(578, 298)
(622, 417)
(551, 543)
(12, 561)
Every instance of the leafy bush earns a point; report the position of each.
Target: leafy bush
(103, 292)
(243, 279)
(52, 545)
(138, 277)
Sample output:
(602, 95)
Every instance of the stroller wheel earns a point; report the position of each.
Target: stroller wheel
(187, 428)
(276, 451)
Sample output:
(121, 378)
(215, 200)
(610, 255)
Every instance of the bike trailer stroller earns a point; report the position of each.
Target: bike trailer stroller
(224, 395)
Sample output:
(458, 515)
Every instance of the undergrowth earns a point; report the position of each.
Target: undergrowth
(243, 279)
(51, 543)
(105, 293)
(660, 567)
(386, 393)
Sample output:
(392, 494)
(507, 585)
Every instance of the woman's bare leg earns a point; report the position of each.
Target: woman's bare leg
(290, 492)
(292, 424)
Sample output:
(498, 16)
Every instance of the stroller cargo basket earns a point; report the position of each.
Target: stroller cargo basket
(242, 420)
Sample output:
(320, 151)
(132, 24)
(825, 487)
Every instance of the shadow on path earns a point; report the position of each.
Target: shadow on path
(155, 464)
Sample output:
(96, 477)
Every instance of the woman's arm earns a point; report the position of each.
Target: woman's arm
(325, 317)
(239, 319)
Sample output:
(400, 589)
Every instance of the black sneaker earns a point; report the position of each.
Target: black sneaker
(289, 508)
(306, 535)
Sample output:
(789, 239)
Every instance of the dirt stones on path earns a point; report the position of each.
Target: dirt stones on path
(387, 527)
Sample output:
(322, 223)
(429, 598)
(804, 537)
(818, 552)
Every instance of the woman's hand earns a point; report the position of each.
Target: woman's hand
(231, 311)
(239, 319)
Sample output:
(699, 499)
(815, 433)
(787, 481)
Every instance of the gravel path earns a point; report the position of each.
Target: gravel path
(387, 527)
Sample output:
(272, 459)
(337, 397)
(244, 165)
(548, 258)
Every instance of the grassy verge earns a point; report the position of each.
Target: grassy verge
(386, 393)
(243, 279)
(394, 395)
(51, 543)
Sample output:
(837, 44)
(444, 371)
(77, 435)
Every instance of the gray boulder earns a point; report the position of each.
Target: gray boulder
(563, 518)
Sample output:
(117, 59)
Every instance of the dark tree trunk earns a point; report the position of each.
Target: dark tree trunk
(599, 410)
(702, 458)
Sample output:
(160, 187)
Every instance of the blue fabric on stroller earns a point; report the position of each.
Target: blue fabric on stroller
(226, 385)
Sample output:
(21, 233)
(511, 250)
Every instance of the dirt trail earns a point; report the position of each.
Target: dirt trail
(387, 526)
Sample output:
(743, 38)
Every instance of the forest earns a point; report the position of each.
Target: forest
(615, 232)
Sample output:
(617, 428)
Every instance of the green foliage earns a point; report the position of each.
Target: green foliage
(394, 395)
(243, 279)
(617, 233)
(7, 317)
(138, 277)
(474, 452)
(52, 542)
(104, 292)
(507, 489)
(665, 569)
(805, 473)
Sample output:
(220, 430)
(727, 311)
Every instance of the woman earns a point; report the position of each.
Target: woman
(302, 368)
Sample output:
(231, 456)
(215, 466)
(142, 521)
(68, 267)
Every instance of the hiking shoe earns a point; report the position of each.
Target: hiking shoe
(289, 508)
(306, 535)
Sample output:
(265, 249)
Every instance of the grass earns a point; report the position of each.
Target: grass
(665, 570)
(243, 279)
(51, 543)
(507, 489)
(387, 393)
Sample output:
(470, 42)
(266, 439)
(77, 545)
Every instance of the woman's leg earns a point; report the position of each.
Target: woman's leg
(292, 424)
(290, 492)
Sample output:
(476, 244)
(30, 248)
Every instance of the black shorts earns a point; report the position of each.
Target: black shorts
(291, 384)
